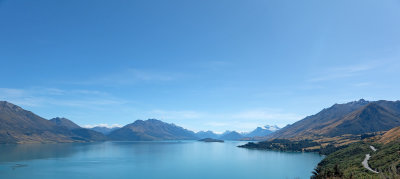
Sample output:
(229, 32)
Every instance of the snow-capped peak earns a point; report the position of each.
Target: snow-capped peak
(272, 128)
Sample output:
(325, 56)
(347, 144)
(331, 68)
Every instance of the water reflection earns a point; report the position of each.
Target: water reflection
(158, 160)
(23, 152)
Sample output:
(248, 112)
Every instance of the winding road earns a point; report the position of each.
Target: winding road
(365, 162)
(372, 148)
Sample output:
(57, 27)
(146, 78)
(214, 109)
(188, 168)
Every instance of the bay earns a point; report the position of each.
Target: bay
(151, 160)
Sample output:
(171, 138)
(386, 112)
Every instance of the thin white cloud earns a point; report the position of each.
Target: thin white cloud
(344, 71)
(217, 124)
(243, 119)
(238, 126)
(265, 114)
(259, 113)
(214, 65)
(362, 84)
(52, 96)
(11, 92)
(168, 114)
(102, 125)
(129, 76)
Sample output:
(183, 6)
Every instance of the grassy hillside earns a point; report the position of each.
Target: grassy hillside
(390, 136)
(346, 163)
(387, 160)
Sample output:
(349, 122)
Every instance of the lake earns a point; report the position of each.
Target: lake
(158, 160)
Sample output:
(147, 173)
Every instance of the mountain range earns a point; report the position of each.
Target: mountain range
(104, 130)
(231, 135)
(354, 118)
(336, 127)
(346, 134)
(21, 126)
(262, 131)
(151, 129)
(343, 132)
(207, 134)
(259, 132)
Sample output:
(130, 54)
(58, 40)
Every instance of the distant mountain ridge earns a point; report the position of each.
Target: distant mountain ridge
(207, 134)
(104, 130)
(151, 129)
(21, 126)
(78, 130)
(355, 118)
(262, 131)
(65, 123)
(231, 135)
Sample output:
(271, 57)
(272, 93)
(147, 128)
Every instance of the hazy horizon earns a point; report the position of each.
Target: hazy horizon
(203, 65)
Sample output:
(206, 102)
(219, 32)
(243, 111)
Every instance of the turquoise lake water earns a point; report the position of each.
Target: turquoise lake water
(147, 160)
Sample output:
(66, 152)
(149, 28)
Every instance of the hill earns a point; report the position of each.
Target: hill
(151, 129)
(346, 162)
(78, 130)
(65, 123)
(262, 131)
(231, 135)
(21, 126)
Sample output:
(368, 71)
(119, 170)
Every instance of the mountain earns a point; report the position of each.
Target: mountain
(104, 130)
(231, 135)
(149, 130)
(207, 134)
(21, 126)
(370, 118)
(78, 130)
(355, 118)
(88, 134)
(262, 131)
(272, 128)
(65, 123)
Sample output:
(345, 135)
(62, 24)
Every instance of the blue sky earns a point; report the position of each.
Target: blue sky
(210, 64)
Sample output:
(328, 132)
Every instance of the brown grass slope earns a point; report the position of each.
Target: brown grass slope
(323, 118)
(370, 118)
(392, 135)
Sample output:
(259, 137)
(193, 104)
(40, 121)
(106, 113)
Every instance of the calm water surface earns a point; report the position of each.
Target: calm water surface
(159, 160)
